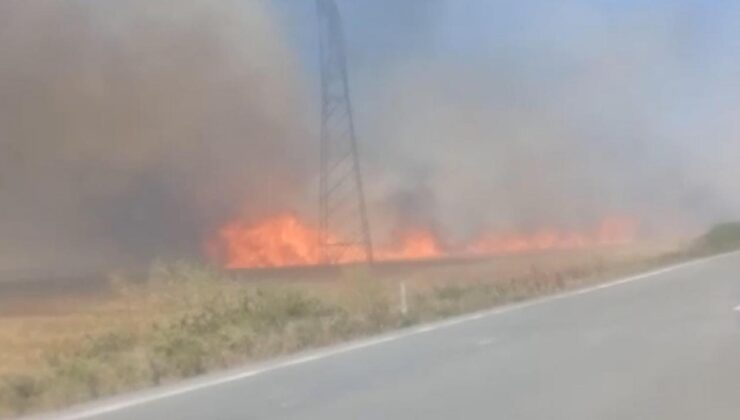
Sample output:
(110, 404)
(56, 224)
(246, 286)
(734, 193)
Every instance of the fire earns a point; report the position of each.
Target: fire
(284, 240)
(277, 241)
(414, 245)
(611, 231)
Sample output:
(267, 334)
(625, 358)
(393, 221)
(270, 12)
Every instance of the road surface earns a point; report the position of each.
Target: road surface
(662, 346)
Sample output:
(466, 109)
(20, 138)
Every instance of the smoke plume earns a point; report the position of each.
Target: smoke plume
(136, 129)
(525, 115)
(132, 129)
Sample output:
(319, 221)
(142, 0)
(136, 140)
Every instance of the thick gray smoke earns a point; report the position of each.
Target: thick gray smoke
(131, 129)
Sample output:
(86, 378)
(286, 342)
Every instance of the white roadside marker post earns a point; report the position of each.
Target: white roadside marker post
(404, 305)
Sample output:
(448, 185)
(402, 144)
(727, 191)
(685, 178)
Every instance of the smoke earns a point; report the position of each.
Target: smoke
(519, 116)
(132, 129)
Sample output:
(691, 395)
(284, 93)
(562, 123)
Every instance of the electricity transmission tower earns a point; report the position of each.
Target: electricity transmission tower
(342, 211)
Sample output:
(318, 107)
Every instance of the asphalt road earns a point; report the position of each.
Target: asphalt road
(665, 346)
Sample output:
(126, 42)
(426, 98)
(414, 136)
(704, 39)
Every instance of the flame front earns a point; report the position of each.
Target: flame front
(611, 231)
(277, 241)
(414, 244)
(284, 240)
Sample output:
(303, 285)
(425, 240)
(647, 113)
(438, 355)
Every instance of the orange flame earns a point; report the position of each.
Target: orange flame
(284, 240)
(611, 231)
(414, 245)
(277, 241)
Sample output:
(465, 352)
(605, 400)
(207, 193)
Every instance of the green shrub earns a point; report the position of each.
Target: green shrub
(721, 237)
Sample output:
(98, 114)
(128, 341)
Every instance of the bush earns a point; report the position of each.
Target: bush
(720, 238)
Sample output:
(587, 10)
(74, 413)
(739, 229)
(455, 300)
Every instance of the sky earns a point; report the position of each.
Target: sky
(540, 34)
(135, 130)
(625, 103)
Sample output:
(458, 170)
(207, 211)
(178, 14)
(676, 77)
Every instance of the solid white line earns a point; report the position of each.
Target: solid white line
(120, 403)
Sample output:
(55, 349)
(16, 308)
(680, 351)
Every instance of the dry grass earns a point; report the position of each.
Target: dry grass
(185, 320)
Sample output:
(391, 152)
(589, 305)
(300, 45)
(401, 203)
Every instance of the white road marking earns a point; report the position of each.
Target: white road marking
(424, 328)
(736, 308)
(120, 403)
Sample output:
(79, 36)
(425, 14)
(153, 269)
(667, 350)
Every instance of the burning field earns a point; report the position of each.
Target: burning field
(285, 240)
(132, 134)
(172, 143)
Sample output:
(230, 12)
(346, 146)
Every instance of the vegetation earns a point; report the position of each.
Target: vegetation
(720, 238)
(185, 320)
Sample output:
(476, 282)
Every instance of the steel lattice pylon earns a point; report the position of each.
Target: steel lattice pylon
(342, 211)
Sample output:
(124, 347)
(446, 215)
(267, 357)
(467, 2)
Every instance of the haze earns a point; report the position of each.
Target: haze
(133, 132)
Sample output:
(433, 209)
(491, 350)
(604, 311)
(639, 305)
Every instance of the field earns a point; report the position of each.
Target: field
(70, 345)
